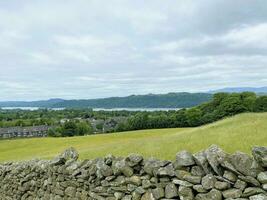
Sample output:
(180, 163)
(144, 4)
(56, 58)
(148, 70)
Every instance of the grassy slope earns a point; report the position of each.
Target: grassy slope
(238, 133)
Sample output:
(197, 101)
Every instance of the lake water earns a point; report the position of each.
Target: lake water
(98, 109)
(28, 108)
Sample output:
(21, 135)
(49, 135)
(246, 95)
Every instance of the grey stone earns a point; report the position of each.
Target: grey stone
(208, 182)
(215, 156)
(148, 196)
(182, 183)
(252, 191)
(199, 189)
(201, 160)
(258, 197)
(219, 185)
(243, 163)
(104, 169)
(262, 177)
(68, 154)
(232, 193)
(134, 159)
(212, 195)
(260, 155)
(193, 179)
(158, 193)
(185, 193)
(240, 185)
(171, 191)
(184, 158)
(70, 191)
(230, 176)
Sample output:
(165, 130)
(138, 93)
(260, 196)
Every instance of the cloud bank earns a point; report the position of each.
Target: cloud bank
(90, 49)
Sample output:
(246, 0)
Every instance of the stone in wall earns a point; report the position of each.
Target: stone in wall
(209, 175)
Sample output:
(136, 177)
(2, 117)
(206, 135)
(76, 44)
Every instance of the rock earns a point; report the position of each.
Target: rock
(208, 182)
(68, 154)
(201, 160)
(192, 179)
(215, 156)
(240, 185)
(166, 171)
(232, 193)
(250, 191)
(250, 180)
(184, 159)
(158, 193)
(262, 177)
(258, 197)
(182, 183)
(260, 155)
(122, 167)
(230, 176)
(151, 166)
(199, 189)
(171, 191)
(185, 193)
(197, 171)
(136, 180)
(134, 159)
(219, 185)
(148, 196)
(104, 169)
(242, 163)
(212, 195)
(70, 191)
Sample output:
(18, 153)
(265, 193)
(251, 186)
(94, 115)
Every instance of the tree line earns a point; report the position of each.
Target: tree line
(222, 105)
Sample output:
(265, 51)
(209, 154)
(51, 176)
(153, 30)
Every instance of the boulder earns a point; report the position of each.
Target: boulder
(69, 154)
(215, 157)
(171, 191)
(184, 159)
(212, 195)
(262, 177)
(260, 155)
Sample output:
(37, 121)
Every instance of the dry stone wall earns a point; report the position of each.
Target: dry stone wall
(208, 175)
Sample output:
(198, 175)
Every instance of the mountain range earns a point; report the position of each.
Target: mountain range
(170, 100)
(257, 90)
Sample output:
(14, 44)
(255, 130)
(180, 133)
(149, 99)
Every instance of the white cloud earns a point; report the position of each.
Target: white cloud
(88, 49)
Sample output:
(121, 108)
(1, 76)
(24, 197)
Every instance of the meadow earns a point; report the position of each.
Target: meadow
(240, 132)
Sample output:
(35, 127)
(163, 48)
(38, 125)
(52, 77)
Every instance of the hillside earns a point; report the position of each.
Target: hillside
(170, 100)
(237, 133)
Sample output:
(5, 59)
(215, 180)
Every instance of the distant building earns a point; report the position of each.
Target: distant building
(22, 132)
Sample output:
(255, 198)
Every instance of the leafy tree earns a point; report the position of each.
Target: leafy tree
(260, 104)
(69, 129)
(193, 116)
(83, 128)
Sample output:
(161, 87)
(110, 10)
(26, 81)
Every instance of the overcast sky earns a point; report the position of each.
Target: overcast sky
(100, 48)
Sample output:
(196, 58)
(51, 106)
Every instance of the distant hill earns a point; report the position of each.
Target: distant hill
(258, 90)
(41, 103)
(170, 100)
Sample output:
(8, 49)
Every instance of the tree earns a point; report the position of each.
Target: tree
(260, 104)
(193, 116)
(83, 128)
(69, 128)
(248, 100)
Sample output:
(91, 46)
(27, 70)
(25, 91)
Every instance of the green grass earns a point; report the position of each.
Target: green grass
(237, 133)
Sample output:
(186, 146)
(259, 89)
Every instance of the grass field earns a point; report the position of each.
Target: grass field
(237, 133)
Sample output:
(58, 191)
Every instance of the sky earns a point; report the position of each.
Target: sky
(86, 49)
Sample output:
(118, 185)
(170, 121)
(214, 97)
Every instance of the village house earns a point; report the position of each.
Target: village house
(22, 132)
